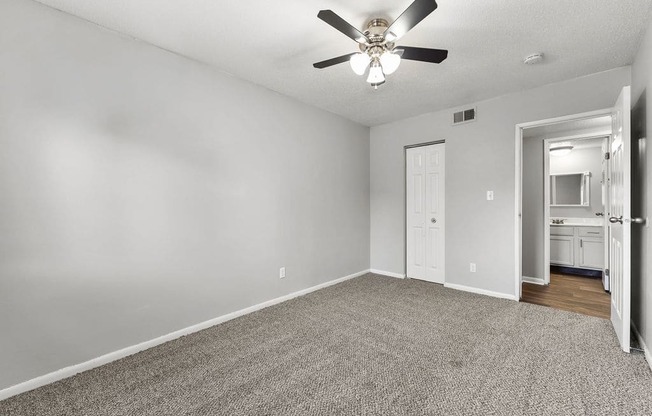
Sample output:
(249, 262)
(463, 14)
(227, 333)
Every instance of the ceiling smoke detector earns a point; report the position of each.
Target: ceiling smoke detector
(533, 59)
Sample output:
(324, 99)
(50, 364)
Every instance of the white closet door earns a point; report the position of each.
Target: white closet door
(416, 213)
(435, 212)
(426, 217)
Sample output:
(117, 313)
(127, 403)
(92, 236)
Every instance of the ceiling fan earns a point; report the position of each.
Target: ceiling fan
(377, 43)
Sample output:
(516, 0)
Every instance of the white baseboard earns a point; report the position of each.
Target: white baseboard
(646, 350)
(533, 280)
(480, 291)
(125, 352)
(390, 274)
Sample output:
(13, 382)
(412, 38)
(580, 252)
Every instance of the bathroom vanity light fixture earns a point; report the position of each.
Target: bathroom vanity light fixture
(561, 150)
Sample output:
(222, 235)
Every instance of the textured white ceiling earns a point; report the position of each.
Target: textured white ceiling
(274, 44)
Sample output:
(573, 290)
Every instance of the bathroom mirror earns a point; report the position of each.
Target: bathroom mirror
(570, 189)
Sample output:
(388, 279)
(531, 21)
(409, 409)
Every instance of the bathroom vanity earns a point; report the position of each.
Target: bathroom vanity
(578, 244)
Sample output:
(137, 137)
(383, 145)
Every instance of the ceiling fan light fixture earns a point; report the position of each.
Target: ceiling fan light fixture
(390, 62)
(359, 63)
(376, 43)
(376, 76)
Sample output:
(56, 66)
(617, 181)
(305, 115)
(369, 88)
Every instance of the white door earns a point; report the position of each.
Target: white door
(620, 218)
(426, 217)
(416, 212)
(606, 150)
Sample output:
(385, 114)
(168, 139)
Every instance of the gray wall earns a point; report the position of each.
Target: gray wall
(641, 192)
(479, 157)
(141, 192)
(580, 160)
(532, 209)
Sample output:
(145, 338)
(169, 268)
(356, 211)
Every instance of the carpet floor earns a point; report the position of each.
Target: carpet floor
(370, 346)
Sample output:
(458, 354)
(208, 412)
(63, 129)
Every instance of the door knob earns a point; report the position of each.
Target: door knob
(433, 220)
(614, 220)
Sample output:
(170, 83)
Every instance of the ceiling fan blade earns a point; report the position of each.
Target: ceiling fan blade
(333, 61)
(434, 56)
(416, 12)
(342, 25)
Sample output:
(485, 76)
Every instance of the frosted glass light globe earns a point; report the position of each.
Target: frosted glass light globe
(376, 75)
(390, 62)
(359, 63)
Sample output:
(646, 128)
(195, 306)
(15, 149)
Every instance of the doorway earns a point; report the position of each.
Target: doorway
(571, 260)
(617, 219)
(425, 173)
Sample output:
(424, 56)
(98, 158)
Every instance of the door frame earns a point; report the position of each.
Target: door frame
(405, 191)
(518, 185)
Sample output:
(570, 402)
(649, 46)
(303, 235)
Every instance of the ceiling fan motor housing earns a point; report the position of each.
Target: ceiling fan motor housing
(375, 32)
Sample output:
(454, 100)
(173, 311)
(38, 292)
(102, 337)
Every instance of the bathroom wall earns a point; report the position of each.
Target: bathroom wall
(580, 160)
(532, 208)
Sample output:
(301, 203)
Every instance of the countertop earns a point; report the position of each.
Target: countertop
(579, 222)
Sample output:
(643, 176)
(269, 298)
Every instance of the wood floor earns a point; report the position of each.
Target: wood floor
(579, 294)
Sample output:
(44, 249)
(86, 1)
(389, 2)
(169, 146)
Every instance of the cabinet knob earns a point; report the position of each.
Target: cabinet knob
(433, 220)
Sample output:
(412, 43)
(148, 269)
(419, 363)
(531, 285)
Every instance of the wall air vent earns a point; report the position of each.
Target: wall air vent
(464, 116)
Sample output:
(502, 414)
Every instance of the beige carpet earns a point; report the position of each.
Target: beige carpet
(372, 345)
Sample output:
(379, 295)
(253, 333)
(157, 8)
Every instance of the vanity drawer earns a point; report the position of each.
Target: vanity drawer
(560, 230)
(590, 232)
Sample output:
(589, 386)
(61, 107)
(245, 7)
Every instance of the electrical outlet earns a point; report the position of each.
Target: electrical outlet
(490, 195)
(281, 273)
(472, 267)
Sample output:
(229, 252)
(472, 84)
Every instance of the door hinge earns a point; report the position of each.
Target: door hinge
(607, 156)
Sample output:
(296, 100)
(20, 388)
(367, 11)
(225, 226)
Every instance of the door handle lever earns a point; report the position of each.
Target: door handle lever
(635, 220)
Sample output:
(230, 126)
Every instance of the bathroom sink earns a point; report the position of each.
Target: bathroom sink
(578, 222)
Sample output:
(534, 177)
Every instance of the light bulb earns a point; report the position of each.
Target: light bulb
(376, 75)
(390, 62)
(359, 63)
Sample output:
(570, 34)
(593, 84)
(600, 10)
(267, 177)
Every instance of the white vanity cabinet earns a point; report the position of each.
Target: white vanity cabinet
(562, 245)
(580, 247)
(591, 248)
